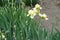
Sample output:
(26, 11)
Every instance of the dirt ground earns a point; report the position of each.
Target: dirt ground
(53, 11)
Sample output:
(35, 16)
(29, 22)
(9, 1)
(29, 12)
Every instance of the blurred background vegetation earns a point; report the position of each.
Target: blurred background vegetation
(26, 2)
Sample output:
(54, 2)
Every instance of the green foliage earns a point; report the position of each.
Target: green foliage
(16, 25)
(13, 22)
(29, 2)
(1, 3)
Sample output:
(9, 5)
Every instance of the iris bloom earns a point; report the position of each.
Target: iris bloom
(44, 16)
(31, 13)
(37, 6)
(3, 36)
(37, 11)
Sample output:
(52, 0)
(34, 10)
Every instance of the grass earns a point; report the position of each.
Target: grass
(15, 25)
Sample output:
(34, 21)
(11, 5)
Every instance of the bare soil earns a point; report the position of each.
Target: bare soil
(51, 8)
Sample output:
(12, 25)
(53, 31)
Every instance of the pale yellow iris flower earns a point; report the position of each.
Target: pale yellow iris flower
(36, 11)
(44, 16)
(31, 13)
(37, 6)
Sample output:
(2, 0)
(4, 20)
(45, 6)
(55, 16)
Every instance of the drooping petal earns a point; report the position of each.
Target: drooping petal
(44, 16)
(46, 19)
(40, 14)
